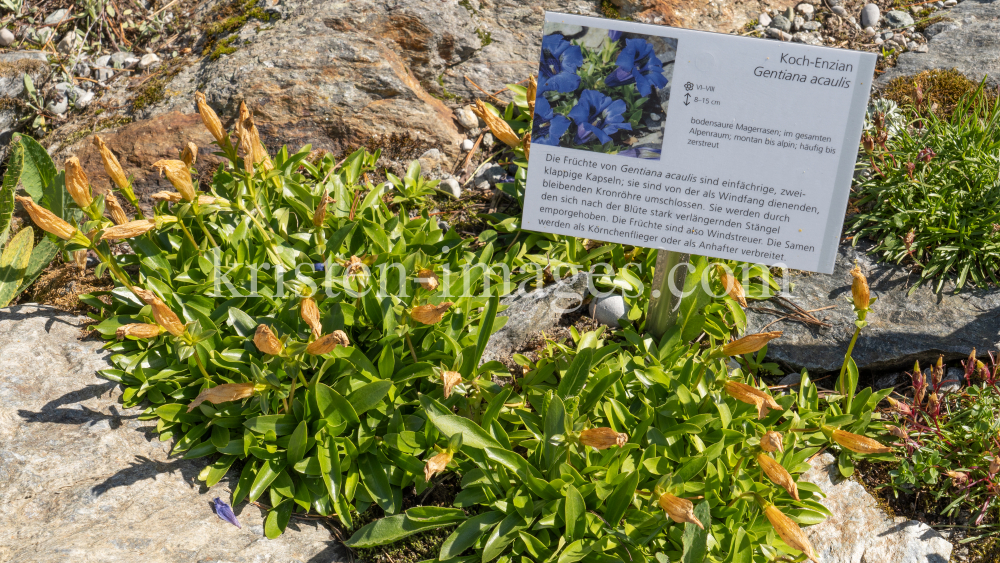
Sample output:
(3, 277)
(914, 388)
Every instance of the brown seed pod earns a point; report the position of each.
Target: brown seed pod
(772, 441)
(77, 184)
(210, 119)
(46, 220)
(750, 343)
(129, 230)
(427, 279)
(497, 126)
(430, 314)
(319, 216)
(310, 314)
(790, 532)
(450, 380)
(531, 94)
(777, 473)
(223, 394)
(111, 166)
(190, 154)
(174, 197)
(138, 330)
(325, 344)
(859, 289)
(163, 315)
(253, 149)
(679, 509)
(179, 175)
(859, 444)
(732, 286)
(436, 464)
(115, 209)
(266, 341)
(602, 438)
(751, 395)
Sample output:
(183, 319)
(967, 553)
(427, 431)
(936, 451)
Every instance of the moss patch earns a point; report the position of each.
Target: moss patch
(942, 90)
(610, 10)
(226, 19)
(223, 47)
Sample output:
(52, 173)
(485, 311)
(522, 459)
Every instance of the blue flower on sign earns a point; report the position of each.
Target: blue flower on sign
(224, 511)
(614, 35)
(638, 64)
(560, 59)
(641, 151)
(547, 126)
(597, 115)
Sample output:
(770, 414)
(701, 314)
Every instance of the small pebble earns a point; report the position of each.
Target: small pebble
(870, 15)
(488, 140)
(839, 10)
(451, 187)
(870, 31)
(68, 43)
(466, 118)
(467, 145)
(950, 3)
(56, 16)
(58, 106)
(148, 61)
(764, 19)
(6, 38)
(806, 10)
(654, 116)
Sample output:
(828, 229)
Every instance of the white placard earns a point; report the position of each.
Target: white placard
(698, 142)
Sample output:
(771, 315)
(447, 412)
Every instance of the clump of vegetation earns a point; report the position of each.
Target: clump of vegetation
(347, 370)
(928, 198)
(940, 91)
(225, 19)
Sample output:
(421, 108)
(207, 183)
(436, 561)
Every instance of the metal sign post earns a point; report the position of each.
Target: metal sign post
(668, 284)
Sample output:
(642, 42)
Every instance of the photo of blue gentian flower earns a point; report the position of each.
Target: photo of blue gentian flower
(603, 90)
(547, 126)
(597, 115)
(639, 65)
(560, 61)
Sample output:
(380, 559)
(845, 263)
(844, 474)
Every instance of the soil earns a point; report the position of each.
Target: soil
(60, 286)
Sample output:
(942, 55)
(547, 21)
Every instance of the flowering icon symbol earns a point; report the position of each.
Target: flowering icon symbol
(688, 86)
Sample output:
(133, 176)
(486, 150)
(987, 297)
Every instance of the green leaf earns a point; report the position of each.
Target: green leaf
(297, 443)
(268, 472)
(13, 263)
(573, 515)
(574, 552)
(466, 534)
(575, 377)
(438, 514)
(473, 435)
(388, 530)
(280, 424)
(377, 483)
(329, 401)
(695, 539)
(502, 536)
(621, 499)
(689, 316)
(38, 171)
(485, 328)
(370, 395)
(10, 179)
(277, 519)
(41, 256)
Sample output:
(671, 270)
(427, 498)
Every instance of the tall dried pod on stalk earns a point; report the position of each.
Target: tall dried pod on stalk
(602, 438)
(310, 314)
(777, 473)
(50, 223)
(531, 94)
(752, 396)
(179, 175)
(129, 230)
(223, 394)
(901, 408)
(750, 343)
(430, 314)
(111, 166)
(326, 343)
(526, 142)
(970, 365)
(994, 465)
(450, 379)
(497, 126)
(77, 183)
(190, 154)
(80, 259)
(897, 432)
(138, 330)
(790, 532)
(266, 341)
(919, 384)
(932, 404)
(174, 197)
(161, 312)
(115, 209)
(210, 119)
(731, 285)
(253, 149)
(679, 510)
(319, 216)
(937, 372)
(859, 444)
(772, 441)
(859, 289)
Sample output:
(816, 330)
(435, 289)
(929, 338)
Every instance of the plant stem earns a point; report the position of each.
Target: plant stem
(201, 223)
(116, 271)
(850, 348)
(413, 352)
(190, 238)
(201, 366)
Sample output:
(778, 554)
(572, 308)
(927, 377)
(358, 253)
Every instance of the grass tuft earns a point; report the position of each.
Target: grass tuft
(942, 89)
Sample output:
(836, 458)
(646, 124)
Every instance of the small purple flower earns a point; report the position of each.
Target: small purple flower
(319, 267)
(641, 151)
(224, 511)
(597, 115)
(547, 126)
(638, 64)
(560, 59)
(614, 35)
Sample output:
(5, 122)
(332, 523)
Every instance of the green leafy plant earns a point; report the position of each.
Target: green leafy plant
(412, 190)
(929, 192)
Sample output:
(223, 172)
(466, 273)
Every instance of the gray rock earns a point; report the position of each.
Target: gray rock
(950, 3)
(870, 31)
(42, 35)
(798, 22)
(492, 174)
(939, 4)
(807, 10)
(68, 43)
(466, 118)
(902, 328)
(888, 35)
(444, 226)
(898, 19)
(148, 61)
(488, 140)
(451, 187)
(839, 10)
(82, 70)
(858, 531)
(58, 105)
(793, 378)
(467, 145)
(920, 48)
(532, 312)
(834, 3)
(879, 41)
(812, 26)
(782, 23)
(870, 15)
(83, 476)
(6, 38)
(118, 59)
(431, 160)
(56, 16)
(971, 46)
(778, 34)
(954, 379)
(609, 310)
(102, 70)
(764, 19)
(83, 98)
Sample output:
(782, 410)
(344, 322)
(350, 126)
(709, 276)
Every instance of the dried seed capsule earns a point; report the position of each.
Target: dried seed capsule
(749, 344)
(249, 137)
(859, 444)
(430, 314)
(129, 230)
(48, 222)
(310, 314)
(324, 344)
(223, 394)
(210, 119)
(895, 405)
(497, 126)
(732, 286)
(750, 395)
(179, 175)
(772, 441)
(777, 473)
(77, 184)
(137, 330)
(790, 532)
(679, 509)
(602, 438)
(450, 380)
(266, 341)
(163, 315)
(437, 464)
(531, 94)
(859, 289)
(111, 166)
(174, 197)
(115, 209)
(190, 154)
(427, 279)
(319, 216)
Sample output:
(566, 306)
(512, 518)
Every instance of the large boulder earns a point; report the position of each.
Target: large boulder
(83, 480)
(966, 40)
(858, 531)
(902, 326)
